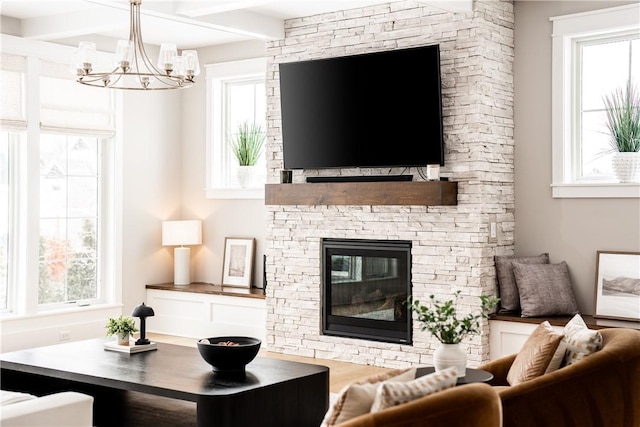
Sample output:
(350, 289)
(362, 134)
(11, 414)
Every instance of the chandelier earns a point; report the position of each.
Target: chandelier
(131, 68)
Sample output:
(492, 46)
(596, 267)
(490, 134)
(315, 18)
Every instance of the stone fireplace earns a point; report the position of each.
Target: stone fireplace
(450, 245)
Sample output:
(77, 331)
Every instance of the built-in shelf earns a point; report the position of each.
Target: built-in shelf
(425, 193)
(210, 288)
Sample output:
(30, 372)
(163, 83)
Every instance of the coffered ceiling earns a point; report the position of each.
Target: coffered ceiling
(189, 24)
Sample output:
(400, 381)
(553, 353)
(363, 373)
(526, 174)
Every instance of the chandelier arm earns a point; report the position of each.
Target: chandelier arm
(135, 70)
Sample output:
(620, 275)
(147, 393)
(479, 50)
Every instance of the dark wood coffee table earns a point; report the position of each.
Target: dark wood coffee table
(273, 392)
(471, 375)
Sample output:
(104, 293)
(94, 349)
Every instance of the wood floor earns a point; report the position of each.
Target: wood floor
(340, 373)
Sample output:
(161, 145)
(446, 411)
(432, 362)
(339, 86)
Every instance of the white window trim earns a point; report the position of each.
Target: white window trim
(567, 30)
(215, 74)
(25, 305)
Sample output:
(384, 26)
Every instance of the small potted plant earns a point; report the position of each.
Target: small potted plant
(122, 328)
(247, 144)
(441, 319)
(623, 125)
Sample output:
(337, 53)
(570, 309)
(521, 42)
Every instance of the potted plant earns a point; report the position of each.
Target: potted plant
(441, 319)
(623, 123)
(122, 328)
(247, 144)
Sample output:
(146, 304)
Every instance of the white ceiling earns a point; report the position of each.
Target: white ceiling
(189, 23)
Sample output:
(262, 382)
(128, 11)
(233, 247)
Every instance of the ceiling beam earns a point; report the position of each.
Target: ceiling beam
(195, 9)
(248, 23)
(115, 17)
(74, 24)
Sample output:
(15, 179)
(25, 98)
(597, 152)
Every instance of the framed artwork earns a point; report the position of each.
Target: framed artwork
(618, 285)
(237, 263)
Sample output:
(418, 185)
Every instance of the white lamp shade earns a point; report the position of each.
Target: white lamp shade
(177, 233)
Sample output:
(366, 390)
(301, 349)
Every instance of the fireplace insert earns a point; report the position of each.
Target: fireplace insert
(365, 287)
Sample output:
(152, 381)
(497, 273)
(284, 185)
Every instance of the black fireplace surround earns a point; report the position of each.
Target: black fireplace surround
(365, 285)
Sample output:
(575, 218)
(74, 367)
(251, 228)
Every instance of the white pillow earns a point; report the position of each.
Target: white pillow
(391, 393)
(581, 341)
(356, 398)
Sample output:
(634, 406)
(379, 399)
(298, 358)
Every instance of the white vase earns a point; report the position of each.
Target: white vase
(626, 166)
(450, 355)
(246, 176)
(123, 339)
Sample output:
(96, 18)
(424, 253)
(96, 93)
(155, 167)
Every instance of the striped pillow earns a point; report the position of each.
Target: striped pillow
(581, 341)
(356, 399)
(392, 393)
(536, 354)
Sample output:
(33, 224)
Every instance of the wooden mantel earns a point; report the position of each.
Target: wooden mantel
(419, 193)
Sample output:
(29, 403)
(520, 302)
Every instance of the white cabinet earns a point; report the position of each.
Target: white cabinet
(201, 315)
(508, 337)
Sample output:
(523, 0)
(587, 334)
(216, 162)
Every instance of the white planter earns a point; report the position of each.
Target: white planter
(123, 339)
(246, 176)
(626, 167)
(450, 355)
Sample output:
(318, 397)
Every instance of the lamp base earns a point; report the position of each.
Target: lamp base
(181, 273)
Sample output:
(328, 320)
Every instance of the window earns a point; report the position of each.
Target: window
(56, 196)
(4, 220)
(69, 215)
(235, 95)
(593, 54)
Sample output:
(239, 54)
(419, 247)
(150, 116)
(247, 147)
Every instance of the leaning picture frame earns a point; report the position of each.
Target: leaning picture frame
(237, 261)
(617, 285)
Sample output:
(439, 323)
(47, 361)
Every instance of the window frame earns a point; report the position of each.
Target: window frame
(568, 32)
(24, 238)
(216, 75)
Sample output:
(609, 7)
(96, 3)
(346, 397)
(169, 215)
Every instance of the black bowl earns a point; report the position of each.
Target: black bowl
(229, 354)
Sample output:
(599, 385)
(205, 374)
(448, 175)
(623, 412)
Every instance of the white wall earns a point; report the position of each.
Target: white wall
(221, 218)
(569, 229)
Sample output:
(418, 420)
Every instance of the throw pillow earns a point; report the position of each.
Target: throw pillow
(581, 341)
(535, 355)
(508, 291)
(545, 289)
(391, 393)
(356, 398)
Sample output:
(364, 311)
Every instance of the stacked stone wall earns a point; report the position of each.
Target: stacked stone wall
(451, 245)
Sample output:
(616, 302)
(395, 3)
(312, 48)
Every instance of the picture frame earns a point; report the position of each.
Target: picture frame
(617, 285)
(237, 261)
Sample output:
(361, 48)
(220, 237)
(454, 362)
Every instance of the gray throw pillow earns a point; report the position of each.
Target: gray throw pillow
(507, 288)
(545, 290)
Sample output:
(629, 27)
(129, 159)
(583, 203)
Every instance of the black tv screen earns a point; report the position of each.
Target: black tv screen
(380, 109)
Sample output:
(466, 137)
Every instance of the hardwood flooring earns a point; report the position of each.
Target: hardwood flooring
(340, 373)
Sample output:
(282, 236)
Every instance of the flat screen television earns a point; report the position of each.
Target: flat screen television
(380, 109)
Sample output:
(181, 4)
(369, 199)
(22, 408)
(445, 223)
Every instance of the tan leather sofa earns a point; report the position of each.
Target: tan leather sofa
(602, 390)
(471, 405)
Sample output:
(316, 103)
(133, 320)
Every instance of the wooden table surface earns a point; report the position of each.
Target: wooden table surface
(179, 372)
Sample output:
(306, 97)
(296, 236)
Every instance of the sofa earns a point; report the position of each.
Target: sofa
(602, 390)
(64, 409)
(470, 405)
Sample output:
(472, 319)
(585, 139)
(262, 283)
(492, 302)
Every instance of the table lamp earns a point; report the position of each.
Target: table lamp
(143, 311)
(181, 233)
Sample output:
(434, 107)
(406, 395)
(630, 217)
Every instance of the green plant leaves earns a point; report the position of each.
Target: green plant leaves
(623, 118)
(442, 321)
(121, 325)
(247, 143)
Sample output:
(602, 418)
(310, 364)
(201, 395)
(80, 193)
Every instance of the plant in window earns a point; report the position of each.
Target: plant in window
(623, 123)
(623, 118)
(247, 143)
